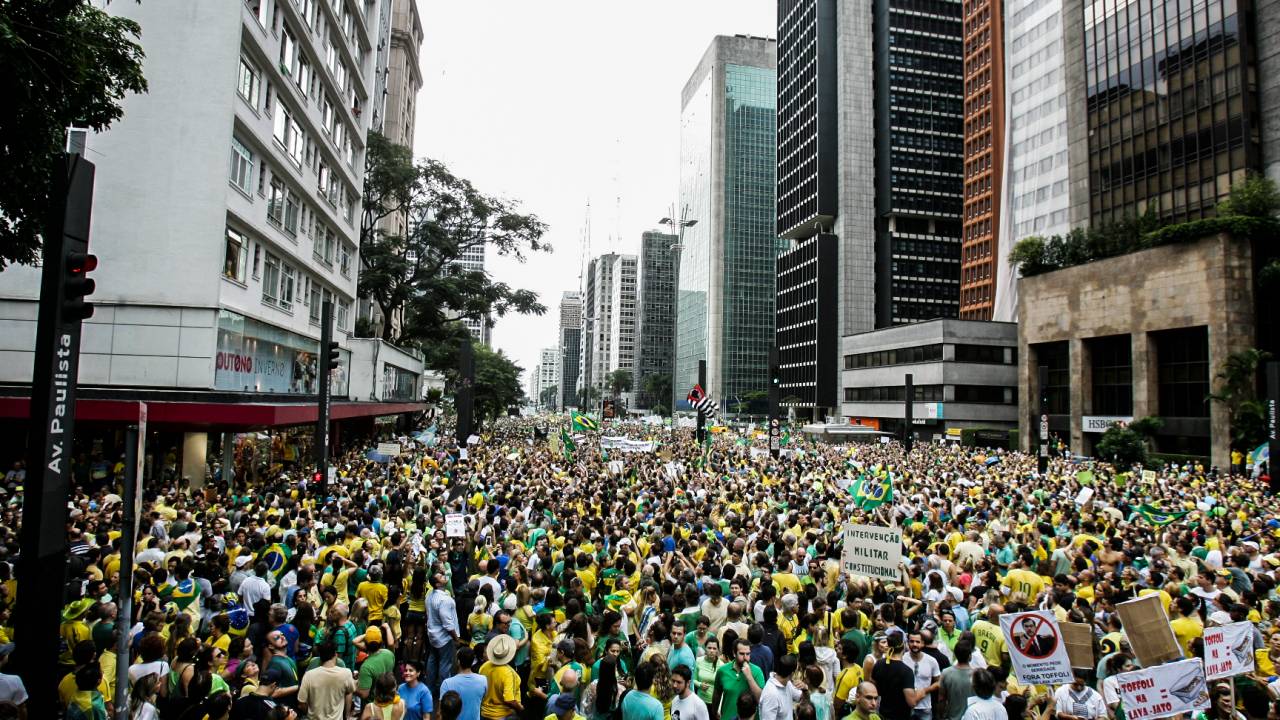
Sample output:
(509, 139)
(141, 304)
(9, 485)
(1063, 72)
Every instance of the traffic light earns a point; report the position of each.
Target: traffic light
(77, 285)
(333, 354)
(317, 477)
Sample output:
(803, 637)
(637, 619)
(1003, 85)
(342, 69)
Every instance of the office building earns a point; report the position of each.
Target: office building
(870, 145)
(543, 377)
(725, 312)
(1171, 99)
(964, 375)
(225, 214)
(984, 130)
(657, 314)
(609, 321)
(481, 329)
(570, 347)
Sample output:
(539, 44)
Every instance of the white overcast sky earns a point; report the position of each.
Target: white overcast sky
(555, 103)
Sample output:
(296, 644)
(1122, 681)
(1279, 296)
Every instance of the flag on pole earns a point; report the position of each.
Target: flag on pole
(1157, 516)
(583, 423)
(567, 443)
(701, 402)
(870, 493)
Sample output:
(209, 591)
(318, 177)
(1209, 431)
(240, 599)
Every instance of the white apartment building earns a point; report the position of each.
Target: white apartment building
(472, 260)
(608, 318)
(544, 375)
(225, 205)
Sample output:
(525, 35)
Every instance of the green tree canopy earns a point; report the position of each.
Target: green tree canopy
(66, 63)
(619, 381)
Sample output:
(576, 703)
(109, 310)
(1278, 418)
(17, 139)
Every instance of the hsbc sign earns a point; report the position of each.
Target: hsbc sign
(1100, 423)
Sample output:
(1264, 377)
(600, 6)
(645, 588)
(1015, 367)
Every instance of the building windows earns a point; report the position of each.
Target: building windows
(992, 354)
(275, 201)
(1112, 359)
(247, 83)
(893, 393)
(259, 10)
(900, 356)
(344, 260)
(241, 167)
(986, 394)
(291, 205)
(271, 280)
(326, 240)
(288, 52)
(288, 134)
(341, 314)
(313, 304)
(1184, 372)
(287, 280)
(237, 256)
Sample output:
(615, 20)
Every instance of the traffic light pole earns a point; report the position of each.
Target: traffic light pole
(325, 397)
(1042, 457)
(775, 391)
(702, 417)
(42, 563)
(909, 419)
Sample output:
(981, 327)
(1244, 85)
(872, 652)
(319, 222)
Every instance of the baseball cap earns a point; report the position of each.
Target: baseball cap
(563, 702)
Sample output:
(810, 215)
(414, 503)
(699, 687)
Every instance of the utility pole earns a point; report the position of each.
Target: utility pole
(702, 417)
(775, 390)
(908, 437)
(1042, 458)
(42, 563)
(135, 443)
(328, 361)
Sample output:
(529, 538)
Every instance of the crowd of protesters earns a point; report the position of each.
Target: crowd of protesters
(684, 581)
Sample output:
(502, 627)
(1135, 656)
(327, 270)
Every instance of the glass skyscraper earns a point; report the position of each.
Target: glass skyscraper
(728, 149)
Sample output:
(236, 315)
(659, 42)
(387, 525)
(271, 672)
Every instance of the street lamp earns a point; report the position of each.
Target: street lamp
(677, 229)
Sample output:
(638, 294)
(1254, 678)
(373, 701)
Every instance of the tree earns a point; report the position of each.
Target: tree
(1028, 254)
(418, 277)
(658, 389)
(497, 378)
(619, 381)
(1237, 390)
(1255, 196)
(1121, 446)
(66, 63)
(548, 396)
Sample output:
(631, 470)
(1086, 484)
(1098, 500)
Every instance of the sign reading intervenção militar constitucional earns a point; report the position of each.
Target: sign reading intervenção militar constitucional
(872, 550)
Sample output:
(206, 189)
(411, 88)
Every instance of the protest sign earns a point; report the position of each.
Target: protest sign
(1228, 650)
(1084, 496)
(455, 525)
(1036, 648)
(873, 551)
(1163, 690)
(1148, 476)
(1079, 640)
(390, 449)
(615, 467)
(1147, 627)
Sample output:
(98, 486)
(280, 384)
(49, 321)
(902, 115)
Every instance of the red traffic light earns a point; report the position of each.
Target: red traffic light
(316, 477)
(76, 286)
(80, 263)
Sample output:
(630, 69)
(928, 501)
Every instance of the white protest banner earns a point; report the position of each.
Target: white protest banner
(455, 525)
(884, 440)
(673, 470)
(1164, 690)
(1149, 476)
(615, 467)
(872, 550)
(473, 439)
(333, 474)
(758, 453)
(1036, 648)
(389, 449)
(1085, 495)
(1228, 650)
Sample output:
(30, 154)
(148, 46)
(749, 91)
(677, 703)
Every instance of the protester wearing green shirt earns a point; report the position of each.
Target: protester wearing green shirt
(380, 660)
(732, 680)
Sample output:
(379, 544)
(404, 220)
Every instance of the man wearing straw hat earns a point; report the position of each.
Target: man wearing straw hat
(502, 698)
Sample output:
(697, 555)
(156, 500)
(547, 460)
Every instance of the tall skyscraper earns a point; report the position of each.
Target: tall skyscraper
(869, 178)
(609, 319)
(657, 314)
(570, 346)
(728, 147)
(984, 130)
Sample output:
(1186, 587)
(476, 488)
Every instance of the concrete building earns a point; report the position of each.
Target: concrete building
(984, 130)
(570, 347)
(728, 150)
(225, 213)
(657, 314)
(870, 141)
(1135, 336)
(608, 319)
(543, 376)
(481, 328)
(964, 374)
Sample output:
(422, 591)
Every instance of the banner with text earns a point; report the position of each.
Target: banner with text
(1036, 648)
(872, 550)
(1164, 690)
(455, 525)
(1228, 650)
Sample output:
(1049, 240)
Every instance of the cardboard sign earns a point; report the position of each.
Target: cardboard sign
(455, 525)
(1228, 650)
(1084, 496)
(1163, 690)
(1036, 648)
(390, 449)
(873, 551)
(1148, 476)
(1079, 640)
(1147, 627)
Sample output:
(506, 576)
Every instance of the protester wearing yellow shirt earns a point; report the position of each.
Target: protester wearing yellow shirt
(1187, 626)
(990, 639)
(374, 591)
(502, 697)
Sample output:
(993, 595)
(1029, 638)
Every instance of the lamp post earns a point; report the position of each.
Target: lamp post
(677, 229)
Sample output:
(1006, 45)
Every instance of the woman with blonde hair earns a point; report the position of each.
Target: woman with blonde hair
(142, 698)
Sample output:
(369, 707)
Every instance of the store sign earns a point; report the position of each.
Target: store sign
(256, 357)
(1100, 423)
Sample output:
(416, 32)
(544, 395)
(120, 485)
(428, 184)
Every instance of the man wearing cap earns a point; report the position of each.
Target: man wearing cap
(74, 630)
(378, 661)
(563, 707)
(502, 697)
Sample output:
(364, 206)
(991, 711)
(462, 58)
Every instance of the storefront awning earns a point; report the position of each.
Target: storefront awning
(226, 415)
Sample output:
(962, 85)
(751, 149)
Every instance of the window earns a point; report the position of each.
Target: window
(325, 239)
(287, 279)
(275, 201)
(324, 175)
(313, 304)
(1183, 360)
(237, 260)
(271, 280)
(287, 133)
(241, 167)
(257, 257)
(247, 83)
(341, 312)
(288, 52)
(302, 76)
(307, 9)
(259, 10)
(344, 260)
(291, 204)
(1112, 375)
(348, 207)
(326, 114)
(992, 354)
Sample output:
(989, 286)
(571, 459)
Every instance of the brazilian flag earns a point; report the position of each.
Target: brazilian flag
(184, 593)
(1157, 516)
(583, 423)
(870, 493)
(276, 556)
(567, 443)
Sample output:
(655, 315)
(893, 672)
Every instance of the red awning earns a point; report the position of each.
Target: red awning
(213, 414)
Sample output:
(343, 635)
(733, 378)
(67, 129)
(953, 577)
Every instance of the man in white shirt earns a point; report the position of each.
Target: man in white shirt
(927, 675)
(983, 706)
(780, 694)
(686, 705)
(255, 587)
